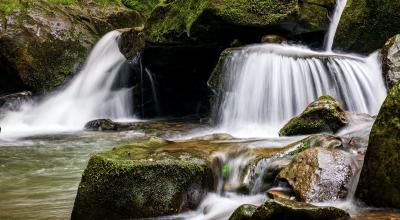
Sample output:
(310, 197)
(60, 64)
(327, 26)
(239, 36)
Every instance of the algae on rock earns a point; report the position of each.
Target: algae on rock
(323, 115)
(379, 183)
(137, 181)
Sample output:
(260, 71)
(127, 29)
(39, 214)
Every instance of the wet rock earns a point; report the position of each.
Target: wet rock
(261, 172)
(391, 61)
(207, 21)
(379, 183)
(279, 193)
(14, 101)
(244, 212)
(319, 174)
(288, 209)
(132, 42)
(366, 25)
(323, 115)
(140, 180)
(273, 39)
(43, 43)
(107, 125)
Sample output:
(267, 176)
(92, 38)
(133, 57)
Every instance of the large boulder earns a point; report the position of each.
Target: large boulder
(140, 180)
(379, 183)
(287, 209)
(366, 25)
(391, 61)
(319, 174)
(323, 115)
(43, 42)
(210, 21)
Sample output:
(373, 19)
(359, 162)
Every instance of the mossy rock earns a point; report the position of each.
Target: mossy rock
(42, 43)
(215, 79)
(323, 115)
(244, 212)
(205, 21)
(366, 25)
(379, 183)
(390, 54)
(288, 209)
(131, 182)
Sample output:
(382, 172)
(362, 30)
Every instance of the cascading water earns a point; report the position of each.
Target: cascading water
(330, 36)
(91, 95)
(263, 86)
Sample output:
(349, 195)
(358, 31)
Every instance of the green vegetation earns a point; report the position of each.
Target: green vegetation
(8, 6)
(145, 7)
(380, 178)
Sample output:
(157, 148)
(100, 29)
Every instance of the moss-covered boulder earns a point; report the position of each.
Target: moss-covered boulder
(220, 20)
(215, 79)
(244, 212)
(287, 209)
(319, 174)
(379, 183)
(141, 180)
(323, 115)
(390, 54)
(43, 42)
(367, 24)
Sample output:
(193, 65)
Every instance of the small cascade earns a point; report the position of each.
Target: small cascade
(263, 86)
(330, 36)
(90, 95)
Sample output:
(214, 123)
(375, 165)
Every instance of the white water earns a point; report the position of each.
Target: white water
(340, 5)
(90, 95)
(263, 86)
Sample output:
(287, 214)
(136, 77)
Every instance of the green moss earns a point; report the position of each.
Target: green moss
(287, 209)
(145, 7)
(379, 183)
(133, 181)
(8, 6)
(244, 212)
(366, 25)
(323, 115)
(177, 20)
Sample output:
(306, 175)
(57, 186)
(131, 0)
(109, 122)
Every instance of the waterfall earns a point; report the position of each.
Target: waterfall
(330, 36)
(90, 95)
(263, 86)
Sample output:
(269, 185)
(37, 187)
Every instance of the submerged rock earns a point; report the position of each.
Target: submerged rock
(186, 21)
(391, 61)
(287, 209)
(141, 180)
(366, 25)
(43, 42)
(323, 115)
(379, 183)
(319, 174)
